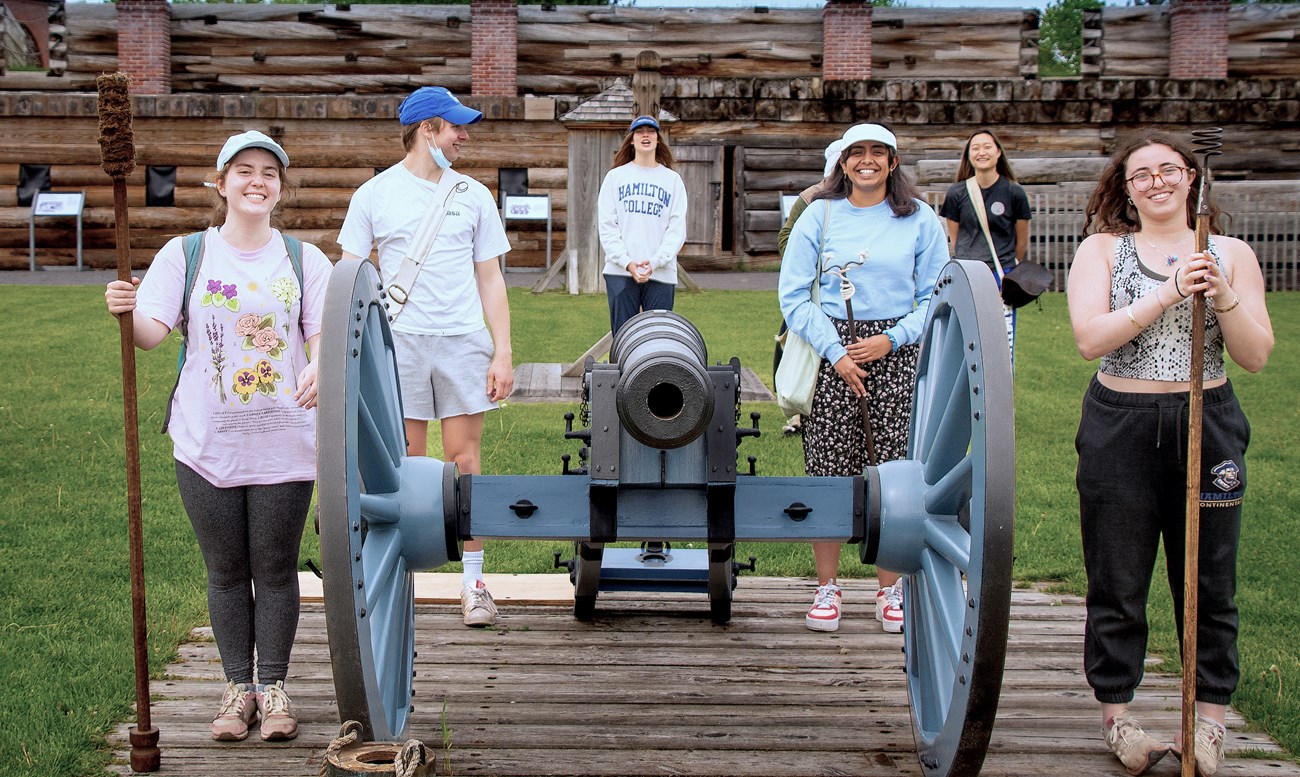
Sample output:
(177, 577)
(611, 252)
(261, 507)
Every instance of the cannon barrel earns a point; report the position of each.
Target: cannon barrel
(665, 395)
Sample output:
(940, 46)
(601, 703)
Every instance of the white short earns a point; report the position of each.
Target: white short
(443, 376)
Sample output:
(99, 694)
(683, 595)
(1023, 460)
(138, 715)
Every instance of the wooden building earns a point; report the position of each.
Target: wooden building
(757, 94)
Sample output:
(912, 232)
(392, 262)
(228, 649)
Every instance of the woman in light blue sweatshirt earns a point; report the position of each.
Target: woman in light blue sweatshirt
(642, 213)
(869, 219)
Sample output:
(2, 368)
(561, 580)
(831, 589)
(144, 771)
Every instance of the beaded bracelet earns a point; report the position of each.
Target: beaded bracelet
(1133, 321)
(1235, 302)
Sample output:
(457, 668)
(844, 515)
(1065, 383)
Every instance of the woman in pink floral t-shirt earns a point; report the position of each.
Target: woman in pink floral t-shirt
(243, 419)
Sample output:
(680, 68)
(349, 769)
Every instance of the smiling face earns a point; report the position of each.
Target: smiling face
(252, 184)
(1154, 165)
(867, 166)
(983, 152)
(448, 137)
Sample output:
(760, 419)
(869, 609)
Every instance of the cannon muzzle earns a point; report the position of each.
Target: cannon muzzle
(665, 395)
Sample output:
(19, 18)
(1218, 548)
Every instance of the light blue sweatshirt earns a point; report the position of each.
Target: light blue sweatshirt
(904, 257)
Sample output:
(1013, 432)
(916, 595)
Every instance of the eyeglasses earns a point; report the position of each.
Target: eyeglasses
(1171, 175)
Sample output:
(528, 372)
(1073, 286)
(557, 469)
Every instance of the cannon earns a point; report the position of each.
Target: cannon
(661, 467)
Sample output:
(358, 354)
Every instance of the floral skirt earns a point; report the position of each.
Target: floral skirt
(834, 443)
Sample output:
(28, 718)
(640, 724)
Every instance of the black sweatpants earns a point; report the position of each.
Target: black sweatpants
(1132, 479)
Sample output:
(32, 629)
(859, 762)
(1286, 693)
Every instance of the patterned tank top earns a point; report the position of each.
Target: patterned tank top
(1162, 351)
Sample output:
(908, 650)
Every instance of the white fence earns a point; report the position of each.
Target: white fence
(1271, 225)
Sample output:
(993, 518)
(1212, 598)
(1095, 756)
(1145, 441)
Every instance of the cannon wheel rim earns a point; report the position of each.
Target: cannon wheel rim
(958, 613)
(369, 591)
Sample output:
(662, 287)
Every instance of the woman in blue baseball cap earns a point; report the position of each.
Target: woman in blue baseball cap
(642, 216)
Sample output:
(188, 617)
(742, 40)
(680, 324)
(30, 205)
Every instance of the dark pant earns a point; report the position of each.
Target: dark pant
(1132, 479)
(249, 536)
(627, 298)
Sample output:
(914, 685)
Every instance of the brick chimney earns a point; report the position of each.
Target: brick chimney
(494, 37)
(144, 45)
(1198, 39)
(846, 40)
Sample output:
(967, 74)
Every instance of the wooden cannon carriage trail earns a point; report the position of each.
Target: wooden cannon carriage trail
(652, 687)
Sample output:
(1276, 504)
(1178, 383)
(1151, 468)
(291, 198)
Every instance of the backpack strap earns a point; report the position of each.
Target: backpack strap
(193, 247)
(193, 244)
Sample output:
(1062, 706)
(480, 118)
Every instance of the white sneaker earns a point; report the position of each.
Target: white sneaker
(889, 608)
(825, 612)
(1134, 748)
(477, 605)
(1209, 746)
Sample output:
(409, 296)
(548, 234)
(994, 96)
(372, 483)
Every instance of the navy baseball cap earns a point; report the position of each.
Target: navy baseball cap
(428, 102)
(643, 121)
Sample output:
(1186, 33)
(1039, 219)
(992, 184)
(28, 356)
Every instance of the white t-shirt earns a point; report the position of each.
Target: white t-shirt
(642, 216)
(234, 419)
(387, 210)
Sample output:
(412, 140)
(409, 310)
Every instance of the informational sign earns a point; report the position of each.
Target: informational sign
(528, 207)
(54, 204)
(787, 205)
(58, 203)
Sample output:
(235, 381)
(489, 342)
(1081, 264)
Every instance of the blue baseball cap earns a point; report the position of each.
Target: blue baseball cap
(643, 121)
(428, 102)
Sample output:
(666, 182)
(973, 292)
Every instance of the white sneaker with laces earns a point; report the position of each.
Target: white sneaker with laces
(889, 608)
(825, 612)
(1134, 748)
(1209, 745)
(477, 605)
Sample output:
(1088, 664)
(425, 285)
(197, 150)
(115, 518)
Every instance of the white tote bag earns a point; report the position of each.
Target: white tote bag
(796, 377)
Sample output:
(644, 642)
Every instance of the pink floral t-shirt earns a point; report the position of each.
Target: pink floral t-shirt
(234, 420)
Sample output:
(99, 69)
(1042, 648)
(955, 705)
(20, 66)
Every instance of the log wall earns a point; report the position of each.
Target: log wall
(571, 50)
(1056, 131)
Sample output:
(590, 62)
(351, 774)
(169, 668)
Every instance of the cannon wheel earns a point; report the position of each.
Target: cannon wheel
(958, 601)
(381, 516)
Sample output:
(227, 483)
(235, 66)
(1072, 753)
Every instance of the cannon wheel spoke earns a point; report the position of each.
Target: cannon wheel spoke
(369, 592)
(958, 600)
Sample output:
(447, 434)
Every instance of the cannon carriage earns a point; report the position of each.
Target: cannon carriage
(660, 466)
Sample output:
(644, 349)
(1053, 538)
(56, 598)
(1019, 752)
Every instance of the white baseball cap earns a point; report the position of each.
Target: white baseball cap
(868, 133)
(246, 140)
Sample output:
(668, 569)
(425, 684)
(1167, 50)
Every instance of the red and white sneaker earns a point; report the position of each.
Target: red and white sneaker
(825, 612)
(889, 608)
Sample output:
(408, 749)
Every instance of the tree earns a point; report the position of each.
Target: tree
(1060, 37)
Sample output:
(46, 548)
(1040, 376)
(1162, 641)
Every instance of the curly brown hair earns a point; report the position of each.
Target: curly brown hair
(1109, 209)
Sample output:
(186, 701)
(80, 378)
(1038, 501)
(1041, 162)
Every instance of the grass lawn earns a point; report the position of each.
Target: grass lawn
(65, 635)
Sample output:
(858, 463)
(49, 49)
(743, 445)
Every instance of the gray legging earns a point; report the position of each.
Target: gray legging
(249, 536)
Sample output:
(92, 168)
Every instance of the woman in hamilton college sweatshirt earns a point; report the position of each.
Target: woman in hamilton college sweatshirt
(642, 212)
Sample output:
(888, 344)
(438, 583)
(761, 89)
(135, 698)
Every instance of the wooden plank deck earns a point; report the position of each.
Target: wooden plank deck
(651, 687)
(536, 382)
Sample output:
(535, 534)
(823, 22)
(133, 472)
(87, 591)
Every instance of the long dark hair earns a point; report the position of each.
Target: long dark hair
(965, 169)
(1109, 209)
(900, 192)
(625, 153)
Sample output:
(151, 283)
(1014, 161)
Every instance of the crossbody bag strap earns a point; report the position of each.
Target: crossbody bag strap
(977, 201)
(399, 287)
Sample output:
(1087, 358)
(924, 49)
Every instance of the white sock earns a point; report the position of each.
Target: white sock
(472, 561)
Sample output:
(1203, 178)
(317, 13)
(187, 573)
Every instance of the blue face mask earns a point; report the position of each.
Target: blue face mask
(439, 158)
